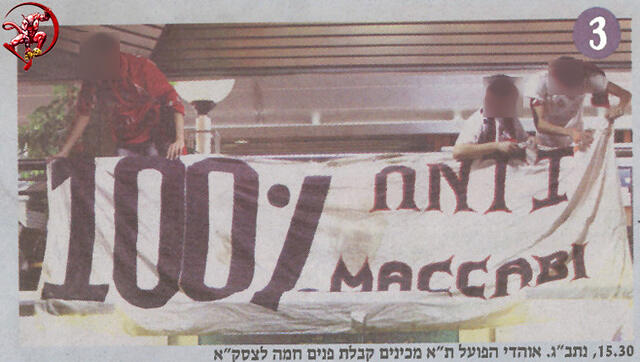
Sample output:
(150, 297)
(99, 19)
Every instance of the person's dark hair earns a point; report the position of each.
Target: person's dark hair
(568, 71)
(100, 43)
(502, 85)
(572, 72)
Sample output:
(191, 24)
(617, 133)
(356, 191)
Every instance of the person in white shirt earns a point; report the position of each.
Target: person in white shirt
(557, 98)
(494, 128)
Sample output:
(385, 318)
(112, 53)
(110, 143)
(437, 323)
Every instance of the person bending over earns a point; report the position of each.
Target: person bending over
(495, 128)
(557, 98)
(133, 95)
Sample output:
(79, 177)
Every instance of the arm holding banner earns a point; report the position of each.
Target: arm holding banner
(175, 149)
(79, 126)
(624, 96)
(581, 138)
(471, 142)
(472, 151)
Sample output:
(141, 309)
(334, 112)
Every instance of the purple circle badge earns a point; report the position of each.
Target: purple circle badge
(596, 33)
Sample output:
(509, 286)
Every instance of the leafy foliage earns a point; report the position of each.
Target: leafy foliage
(46, 130)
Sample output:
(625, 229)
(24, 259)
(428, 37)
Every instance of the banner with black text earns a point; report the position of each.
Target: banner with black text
(213, 243)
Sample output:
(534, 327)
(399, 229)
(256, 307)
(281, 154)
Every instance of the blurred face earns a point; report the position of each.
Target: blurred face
(566, 77)
(98, 64)
(557, 87)
(501, 106)
(502, 98)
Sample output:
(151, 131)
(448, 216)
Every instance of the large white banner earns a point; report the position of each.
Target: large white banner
(253, 245)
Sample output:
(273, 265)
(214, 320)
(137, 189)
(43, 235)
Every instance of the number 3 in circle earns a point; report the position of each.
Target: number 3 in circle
(596, 33)
(600, 22)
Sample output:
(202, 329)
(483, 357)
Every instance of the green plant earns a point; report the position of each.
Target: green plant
(47, 126)
(31, 175)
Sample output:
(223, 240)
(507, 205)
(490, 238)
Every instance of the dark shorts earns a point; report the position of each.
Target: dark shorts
(142, 149)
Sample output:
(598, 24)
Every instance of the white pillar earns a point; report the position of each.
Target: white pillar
(203, 139)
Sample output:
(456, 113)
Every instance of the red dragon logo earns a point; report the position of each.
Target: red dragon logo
(29, 33)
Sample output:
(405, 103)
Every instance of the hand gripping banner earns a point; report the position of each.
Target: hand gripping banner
(260, 245)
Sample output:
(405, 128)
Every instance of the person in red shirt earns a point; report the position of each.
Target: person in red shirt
(133, 93)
